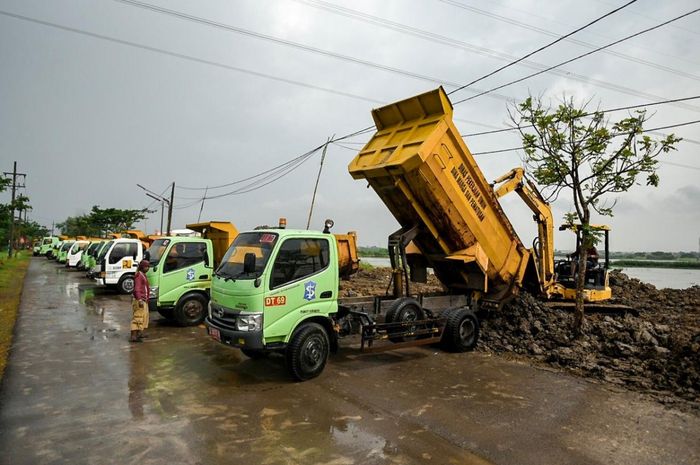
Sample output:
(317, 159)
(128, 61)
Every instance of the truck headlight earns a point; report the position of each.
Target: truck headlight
(153, 293)
(249, 322)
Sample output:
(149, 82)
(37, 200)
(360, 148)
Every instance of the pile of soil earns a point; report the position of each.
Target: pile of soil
(376, 281)
(655, 349)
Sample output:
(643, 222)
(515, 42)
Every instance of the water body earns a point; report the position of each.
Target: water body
(674, 278)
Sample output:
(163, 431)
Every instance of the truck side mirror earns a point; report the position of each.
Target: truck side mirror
(249, 263)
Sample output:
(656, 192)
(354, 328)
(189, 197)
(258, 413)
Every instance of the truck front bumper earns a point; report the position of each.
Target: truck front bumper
(223, 333)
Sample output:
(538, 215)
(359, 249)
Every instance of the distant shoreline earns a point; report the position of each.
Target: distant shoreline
(681, 265)
(673, 264)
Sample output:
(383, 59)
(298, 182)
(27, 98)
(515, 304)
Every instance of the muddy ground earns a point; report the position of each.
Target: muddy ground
(654, 350)
(76, 391)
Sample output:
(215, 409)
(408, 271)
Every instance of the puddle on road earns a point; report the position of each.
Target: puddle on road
(181, 398)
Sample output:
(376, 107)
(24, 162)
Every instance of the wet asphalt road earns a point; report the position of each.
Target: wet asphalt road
(76, 392)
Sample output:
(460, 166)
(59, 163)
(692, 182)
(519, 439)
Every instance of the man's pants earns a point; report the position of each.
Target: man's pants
(139, 320)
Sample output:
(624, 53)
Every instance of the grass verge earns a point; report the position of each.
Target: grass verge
(12, 272)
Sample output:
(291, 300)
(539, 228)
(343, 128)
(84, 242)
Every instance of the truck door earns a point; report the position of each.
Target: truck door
(123, 258)
(302, 283)
(184, 268)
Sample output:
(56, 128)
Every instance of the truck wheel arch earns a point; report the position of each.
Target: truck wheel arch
(180, 314)
(326, 323)
(122, 279)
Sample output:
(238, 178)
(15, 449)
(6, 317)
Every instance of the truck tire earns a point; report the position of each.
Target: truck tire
(402, 310)
(126, 284)
(461, 331)
(307, 352)
(190, 310)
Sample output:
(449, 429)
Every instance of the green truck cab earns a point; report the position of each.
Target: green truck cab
(92, 264)
(47, 244)
(85, 257)
(181, 271)
(277, 290)
(62, 255)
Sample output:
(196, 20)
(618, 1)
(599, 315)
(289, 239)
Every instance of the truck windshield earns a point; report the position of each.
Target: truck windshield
(104, 250)
(73, 250)
(47, 240)
(258, 243)
(91, 248)
(156, 250)
(66, 246)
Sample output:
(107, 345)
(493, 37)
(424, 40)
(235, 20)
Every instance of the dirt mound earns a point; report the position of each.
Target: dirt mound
(376, 281)
(656, 350)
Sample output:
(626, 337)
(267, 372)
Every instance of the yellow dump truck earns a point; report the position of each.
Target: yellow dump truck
(421, 168)
(348, 261)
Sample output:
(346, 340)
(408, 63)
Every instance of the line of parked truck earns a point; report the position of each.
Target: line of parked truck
(277, 290)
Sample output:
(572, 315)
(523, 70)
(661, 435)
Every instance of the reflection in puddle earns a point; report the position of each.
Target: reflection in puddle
(71, 288)
(93, 306)
(351, 436)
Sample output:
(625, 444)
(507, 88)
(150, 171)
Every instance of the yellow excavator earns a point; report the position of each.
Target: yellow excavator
(450, 216)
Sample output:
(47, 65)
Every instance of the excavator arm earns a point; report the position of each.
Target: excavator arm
(515, 180)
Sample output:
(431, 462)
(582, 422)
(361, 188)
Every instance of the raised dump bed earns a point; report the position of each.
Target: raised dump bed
(221, 234)
(421, 168)
(348, 261)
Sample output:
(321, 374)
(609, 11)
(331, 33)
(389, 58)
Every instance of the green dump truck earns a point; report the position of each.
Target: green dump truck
(47, 244)
(181, 270)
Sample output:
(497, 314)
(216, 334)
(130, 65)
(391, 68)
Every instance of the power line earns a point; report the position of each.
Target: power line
(189, 57)
(610, 110)
(528, 55)
(443, 40)
(273, 169)
(582, 56)
(679, 165)
(582, 43)
(512, 149)
(289, 43)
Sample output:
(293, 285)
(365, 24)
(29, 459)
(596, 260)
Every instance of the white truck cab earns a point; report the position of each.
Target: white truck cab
(75, 252)
(119, 264)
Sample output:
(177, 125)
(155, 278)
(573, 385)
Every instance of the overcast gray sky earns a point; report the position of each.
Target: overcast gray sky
(88, 118)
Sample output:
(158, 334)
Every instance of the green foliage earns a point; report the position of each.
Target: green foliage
(29, 229)
(372, 251)
(568, 148)
(571, 148)
(100, 222)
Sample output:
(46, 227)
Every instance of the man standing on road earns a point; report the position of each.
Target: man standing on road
(139, 304)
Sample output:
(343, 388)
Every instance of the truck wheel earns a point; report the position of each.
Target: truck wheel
(190, 310)
(403, 310)
(126, 284)
(254, 354)
(461, 331)
(307, 352)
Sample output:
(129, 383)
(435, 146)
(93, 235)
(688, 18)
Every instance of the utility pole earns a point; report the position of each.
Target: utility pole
(170, 208)
(15, 186)
(162, 201)
(318, 178)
